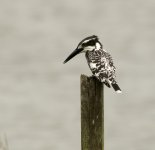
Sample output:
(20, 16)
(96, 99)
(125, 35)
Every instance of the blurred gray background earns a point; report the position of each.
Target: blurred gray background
(40, 96)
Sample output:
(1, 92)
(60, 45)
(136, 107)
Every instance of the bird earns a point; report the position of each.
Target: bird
(99, 61)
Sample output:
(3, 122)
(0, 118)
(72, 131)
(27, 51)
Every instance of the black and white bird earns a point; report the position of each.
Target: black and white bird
(100, 62)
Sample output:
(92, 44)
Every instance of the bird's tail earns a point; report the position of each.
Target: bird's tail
(116, 87)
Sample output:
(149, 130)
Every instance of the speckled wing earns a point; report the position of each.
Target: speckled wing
(101, 65)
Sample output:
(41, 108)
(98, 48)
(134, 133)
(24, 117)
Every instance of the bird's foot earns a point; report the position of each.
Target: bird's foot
(93, 76)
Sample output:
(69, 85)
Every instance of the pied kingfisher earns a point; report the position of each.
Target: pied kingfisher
(100, 62)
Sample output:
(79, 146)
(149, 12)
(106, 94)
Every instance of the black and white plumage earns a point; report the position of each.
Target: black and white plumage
(100, 62)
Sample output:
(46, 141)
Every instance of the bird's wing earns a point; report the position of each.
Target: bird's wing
(97, 65)
(109, 65)
(101, 65)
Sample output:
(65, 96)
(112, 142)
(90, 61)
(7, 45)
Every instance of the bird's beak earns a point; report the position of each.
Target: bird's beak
(74, 53)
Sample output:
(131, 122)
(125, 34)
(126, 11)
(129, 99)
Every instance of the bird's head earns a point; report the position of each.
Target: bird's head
(88, 44)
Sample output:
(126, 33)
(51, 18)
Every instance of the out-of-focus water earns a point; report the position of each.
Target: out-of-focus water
(40, 97)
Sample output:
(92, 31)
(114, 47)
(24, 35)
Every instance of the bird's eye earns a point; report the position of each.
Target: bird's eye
(89, 43)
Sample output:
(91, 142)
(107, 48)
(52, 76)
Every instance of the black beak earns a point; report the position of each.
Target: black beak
(74, 53)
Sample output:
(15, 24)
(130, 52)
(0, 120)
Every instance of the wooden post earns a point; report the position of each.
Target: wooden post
(92, 114)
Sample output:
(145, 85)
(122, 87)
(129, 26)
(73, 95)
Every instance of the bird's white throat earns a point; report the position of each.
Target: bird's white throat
(98, 46)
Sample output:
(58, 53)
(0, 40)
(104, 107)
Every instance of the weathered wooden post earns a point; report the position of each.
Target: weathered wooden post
(92, 114)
